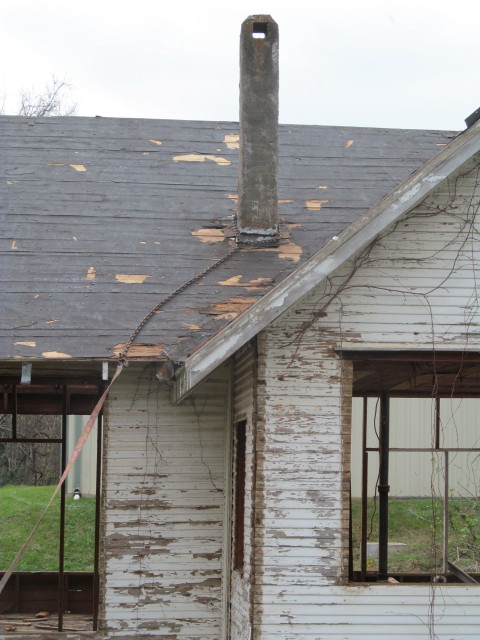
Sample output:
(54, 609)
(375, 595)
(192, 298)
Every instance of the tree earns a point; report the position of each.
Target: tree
(30, 463)
(52, 101)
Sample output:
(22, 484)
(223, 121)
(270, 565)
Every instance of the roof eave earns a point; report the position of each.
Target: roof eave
(354, 238)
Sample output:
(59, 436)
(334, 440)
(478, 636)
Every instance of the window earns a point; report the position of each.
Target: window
(239, 520)
(415, 476)
(39, 425)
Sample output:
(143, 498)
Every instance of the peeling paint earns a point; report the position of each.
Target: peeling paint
(209, 235)
(153, 141)
(315, 205)
(128, 278)
(78, 167)
(192, 327)
(55, 354)
(322, 186)
(287, 250)
(26, 344)
(200, 157)
(52, 321)
(349, 144)
(142, 350)
(252, 285)
(91, 273)
(74, 238)
(232, 140)
(231, 308)
(9, 182)
(14, 246)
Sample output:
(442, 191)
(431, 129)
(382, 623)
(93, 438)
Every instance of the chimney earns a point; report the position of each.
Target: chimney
(257, 179)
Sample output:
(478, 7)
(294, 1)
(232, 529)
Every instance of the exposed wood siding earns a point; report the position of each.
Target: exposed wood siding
(164, 497)
(244, 385)
(303, 436)
(415, 287)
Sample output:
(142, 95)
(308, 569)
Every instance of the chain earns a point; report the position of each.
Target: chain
(185, 285)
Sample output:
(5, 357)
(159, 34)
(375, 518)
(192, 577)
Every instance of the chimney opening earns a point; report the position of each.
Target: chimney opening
(259, 29)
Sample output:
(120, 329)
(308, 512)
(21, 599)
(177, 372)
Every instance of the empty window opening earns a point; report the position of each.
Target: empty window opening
(415, 474)
(39, 427)
(259, 29)
(239, 520)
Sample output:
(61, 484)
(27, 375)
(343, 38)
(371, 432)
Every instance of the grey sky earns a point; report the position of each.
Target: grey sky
(406, 64)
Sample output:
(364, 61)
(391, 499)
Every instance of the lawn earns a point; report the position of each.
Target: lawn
(20, 508)
(418, 522)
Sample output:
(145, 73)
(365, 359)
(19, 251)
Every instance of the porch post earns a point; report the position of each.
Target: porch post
(383, 486)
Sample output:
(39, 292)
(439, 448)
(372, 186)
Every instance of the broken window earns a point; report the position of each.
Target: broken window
(58, 573)
(415, 475)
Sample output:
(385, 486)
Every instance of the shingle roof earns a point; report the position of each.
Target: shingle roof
(102, 217)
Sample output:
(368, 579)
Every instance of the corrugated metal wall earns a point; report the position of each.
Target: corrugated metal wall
(165, 509)
(412, 423)
(83, 474)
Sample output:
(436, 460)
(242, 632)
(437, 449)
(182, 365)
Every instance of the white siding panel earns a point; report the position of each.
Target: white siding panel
(374, 611)
(164, 517)
(415, 287)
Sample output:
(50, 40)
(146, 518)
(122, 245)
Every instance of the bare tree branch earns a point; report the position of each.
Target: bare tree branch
(52, 101)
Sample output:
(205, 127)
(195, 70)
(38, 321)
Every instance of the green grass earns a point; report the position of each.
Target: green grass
(418, 522)
(20, 508)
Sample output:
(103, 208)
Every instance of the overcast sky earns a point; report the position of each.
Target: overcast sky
(405, 63)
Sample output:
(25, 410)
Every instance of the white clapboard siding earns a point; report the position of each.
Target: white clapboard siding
(164, 519)
(369, 611)
(415, 287)
(293, 456)
(243, 407)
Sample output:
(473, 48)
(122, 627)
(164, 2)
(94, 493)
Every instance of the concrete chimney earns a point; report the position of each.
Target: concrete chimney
(257, 179)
